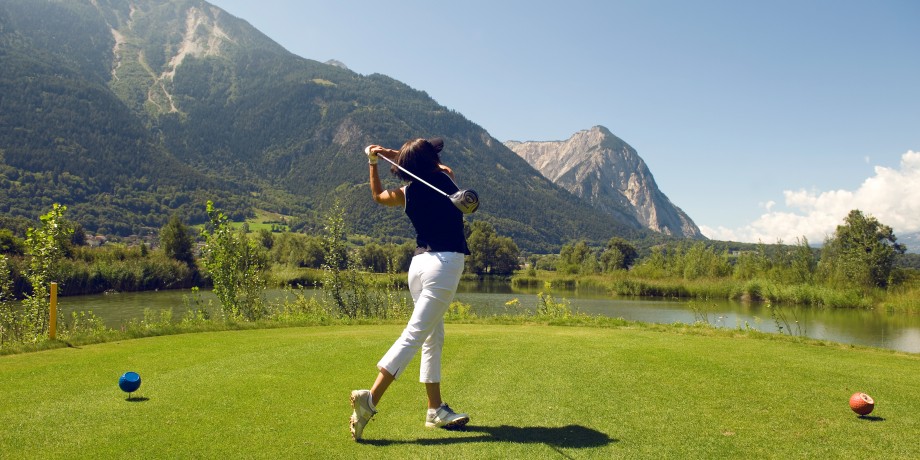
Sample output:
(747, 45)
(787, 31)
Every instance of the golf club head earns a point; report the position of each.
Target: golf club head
(467, 201)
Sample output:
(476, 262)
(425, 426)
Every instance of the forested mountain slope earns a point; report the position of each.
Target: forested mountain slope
(131, 110)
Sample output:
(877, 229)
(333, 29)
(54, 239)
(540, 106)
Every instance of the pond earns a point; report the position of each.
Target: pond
(860, 327)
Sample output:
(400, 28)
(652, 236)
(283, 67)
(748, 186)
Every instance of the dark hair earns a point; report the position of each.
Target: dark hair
(419, 157)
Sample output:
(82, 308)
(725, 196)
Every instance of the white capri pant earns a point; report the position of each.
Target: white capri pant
(433, 279)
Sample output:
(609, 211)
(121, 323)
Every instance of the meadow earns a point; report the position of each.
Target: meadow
(540, 390)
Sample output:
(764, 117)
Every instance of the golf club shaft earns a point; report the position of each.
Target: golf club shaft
(413, 175)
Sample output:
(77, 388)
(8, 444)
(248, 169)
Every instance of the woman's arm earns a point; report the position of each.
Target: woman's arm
(389, 154)
(392, 197)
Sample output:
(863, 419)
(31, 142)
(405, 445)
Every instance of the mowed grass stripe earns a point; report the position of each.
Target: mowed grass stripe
(532, 391)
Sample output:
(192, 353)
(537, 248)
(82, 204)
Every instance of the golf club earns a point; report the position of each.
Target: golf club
(467, 201)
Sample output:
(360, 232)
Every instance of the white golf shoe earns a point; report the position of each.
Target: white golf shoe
(361, 403)
(445, 417)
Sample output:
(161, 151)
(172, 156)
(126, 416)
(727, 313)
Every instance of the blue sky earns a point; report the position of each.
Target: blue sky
(764, 121)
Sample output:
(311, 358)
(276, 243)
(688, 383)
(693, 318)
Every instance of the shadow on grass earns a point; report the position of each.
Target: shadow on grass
(569, 436)
(871, 418)
(137, 399)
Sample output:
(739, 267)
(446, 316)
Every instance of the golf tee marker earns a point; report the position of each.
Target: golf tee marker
(862, 403)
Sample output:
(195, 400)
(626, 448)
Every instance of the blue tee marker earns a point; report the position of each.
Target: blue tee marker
(129, 382)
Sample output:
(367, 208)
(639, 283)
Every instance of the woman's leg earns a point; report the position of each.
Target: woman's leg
(433, 280)
(384, 379)
(434, 395)
(430, 368)
(434, 277)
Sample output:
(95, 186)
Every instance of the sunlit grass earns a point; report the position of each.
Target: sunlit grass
(533, 391)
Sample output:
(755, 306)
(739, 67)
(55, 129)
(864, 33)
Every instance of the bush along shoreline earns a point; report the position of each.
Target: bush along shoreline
(240, 266)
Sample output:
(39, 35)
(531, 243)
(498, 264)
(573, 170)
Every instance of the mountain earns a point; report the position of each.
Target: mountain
(603, 170)
(911, 241)
(67, 137)
(129, 111)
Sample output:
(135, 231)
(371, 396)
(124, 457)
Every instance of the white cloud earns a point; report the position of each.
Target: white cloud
(892, 196)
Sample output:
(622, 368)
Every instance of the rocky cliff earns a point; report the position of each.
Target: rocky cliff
(604, 170)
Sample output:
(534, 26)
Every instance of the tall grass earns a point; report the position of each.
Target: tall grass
(281, 275)
(110, 268)
(805, 294)
(623, 283)
(904, 297)
(153, 272)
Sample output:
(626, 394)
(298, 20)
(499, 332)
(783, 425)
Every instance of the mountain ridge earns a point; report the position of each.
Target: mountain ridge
(599, 167)
(254, 126)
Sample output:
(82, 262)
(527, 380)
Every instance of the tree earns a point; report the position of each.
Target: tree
(490, 253)
(506, 258)
(335, 239)
(348, 287)
(298, 250)
(401, 256)
(577, 257)
(177, 241)
(861, 252)
(374, 257)
(236, 264)
(78, 237)
(45, 248)
(9, 244)
(802, 263)
(8, 308)
(618, 255)
(266, 238)
(700, 260)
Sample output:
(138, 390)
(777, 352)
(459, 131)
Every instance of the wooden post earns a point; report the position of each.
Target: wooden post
(52, 314)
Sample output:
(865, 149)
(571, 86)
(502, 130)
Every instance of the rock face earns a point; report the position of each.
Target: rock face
(600, 168)
(337, 63)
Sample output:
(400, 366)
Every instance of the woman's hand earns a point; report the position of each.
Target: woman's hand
(379, 150)
(446, 170)
(371, 151)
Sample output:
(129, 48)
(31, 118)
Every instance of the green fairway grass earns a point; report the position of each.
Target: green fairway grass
(531, 391)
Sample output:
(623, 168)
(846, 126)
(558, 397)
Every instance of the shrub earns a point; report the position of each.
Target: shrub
(236, 266)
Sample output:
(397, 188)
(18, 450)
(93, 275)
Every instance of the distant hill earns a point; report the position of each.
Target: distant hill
(130, 111)
(608, 173)
(912, 241)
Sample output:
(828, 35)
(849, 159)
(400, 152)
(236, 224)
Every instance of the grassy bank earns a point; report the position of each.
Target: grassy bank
(902, 298)
(535, 391)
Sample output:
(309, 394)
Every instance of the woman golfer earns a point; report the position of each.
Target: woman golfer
(433, 277)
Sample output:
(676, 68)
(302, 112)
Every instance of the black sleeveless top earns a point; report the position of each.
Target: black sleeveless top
(438, 223)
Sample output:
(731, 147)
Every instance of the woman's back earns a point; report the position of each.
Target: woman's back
(438, 223)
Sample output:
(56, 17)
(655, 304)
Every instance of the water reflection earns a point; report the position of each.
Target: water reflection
(861, 327)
